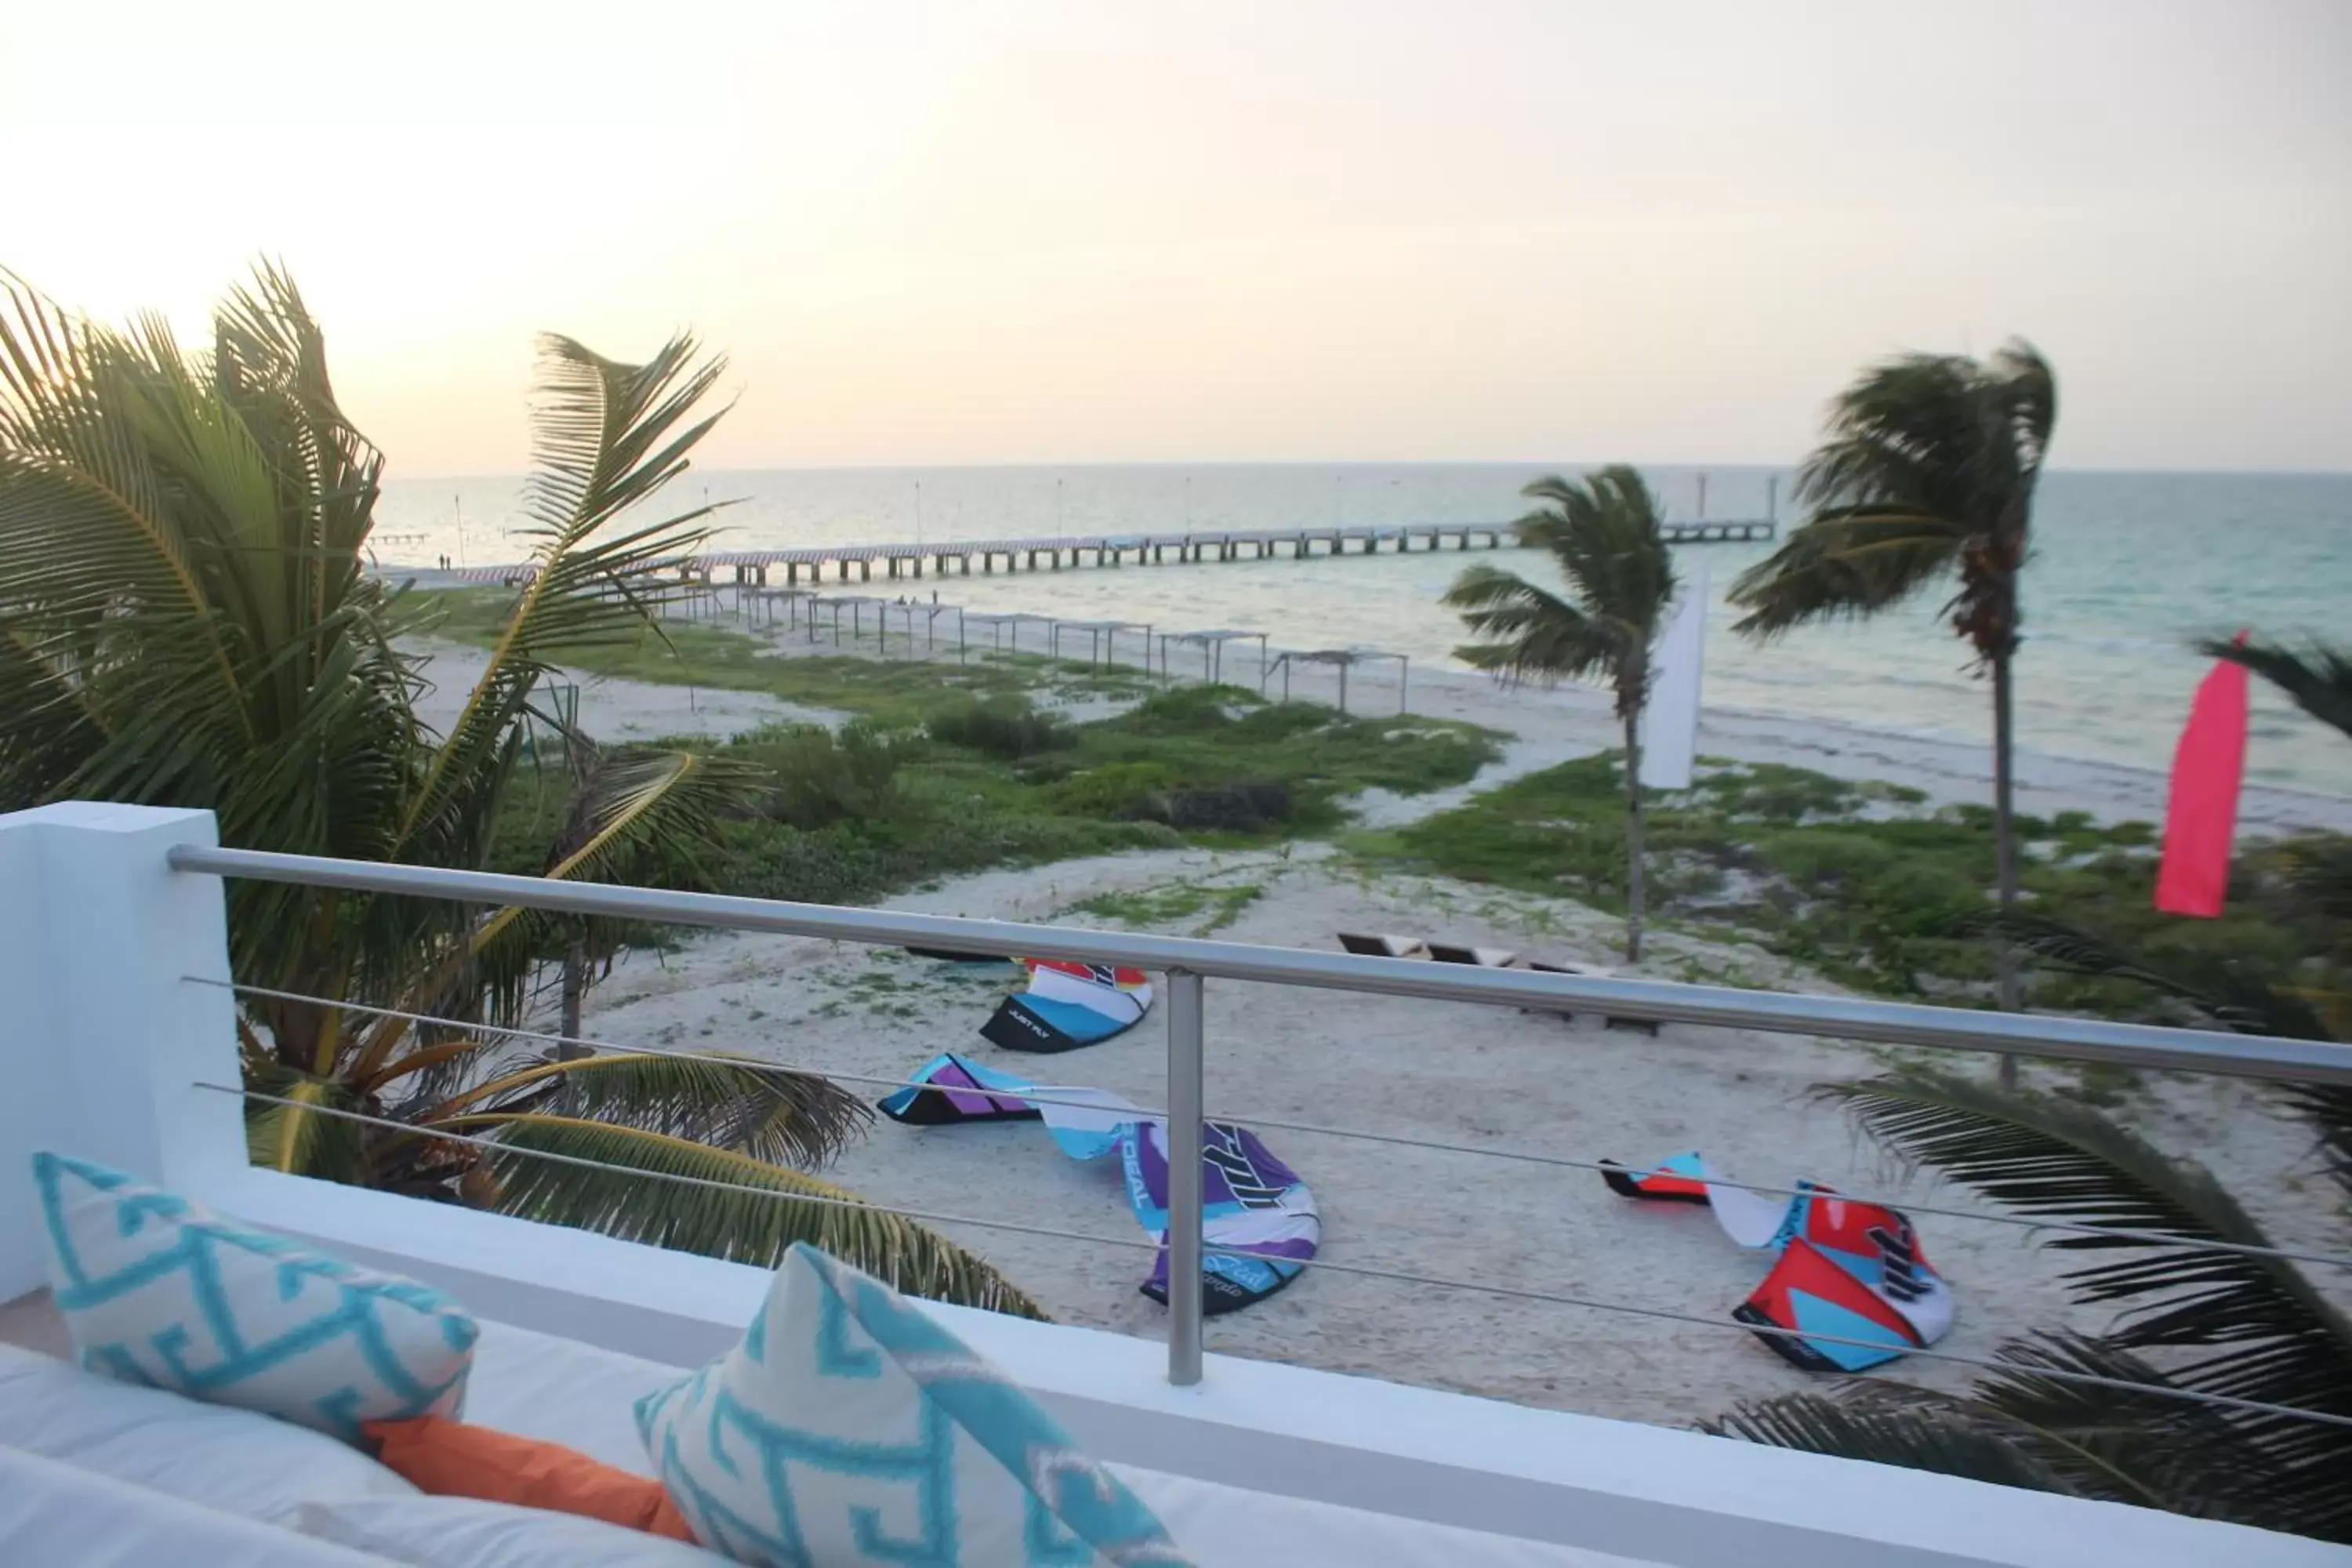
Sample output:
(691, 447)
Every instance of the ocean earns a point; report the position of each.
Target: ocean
(2126, 570)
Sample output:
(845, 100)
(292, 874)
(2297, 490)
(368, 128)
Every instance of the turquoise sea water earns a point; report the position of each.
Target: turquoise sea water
(2126, 569)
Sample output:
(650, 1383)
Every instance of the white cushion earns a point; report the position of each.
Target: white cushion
(465, 1532)
(848, 1426)
(59, 1516)
(156, 1290)
(563, 1390)
(229, 1459)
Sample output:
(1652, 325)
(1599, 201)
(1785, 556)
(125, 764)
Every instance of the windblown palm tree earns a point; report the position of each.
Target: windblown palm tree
(1602, 531)
(184, 621)
(1928, 471)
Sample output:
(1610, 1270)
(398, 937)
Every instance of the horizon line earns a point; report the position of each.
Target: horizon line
(1535, 465)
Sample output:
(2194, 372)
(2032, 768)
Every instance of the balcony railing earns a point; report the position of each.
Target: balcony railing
(1189, 964)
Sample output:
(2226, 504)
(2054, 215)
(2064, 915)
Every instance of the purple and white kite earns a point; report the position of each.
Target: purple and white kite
(1255, 1202)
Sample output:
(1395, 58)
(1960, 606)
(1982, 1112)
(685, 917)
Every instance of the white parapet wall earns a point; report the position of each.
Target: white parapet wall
(103, 1036)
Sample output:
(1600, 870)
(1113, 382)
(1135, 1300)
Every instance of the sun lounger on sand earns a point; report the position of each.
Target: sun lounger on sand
(1382, 945)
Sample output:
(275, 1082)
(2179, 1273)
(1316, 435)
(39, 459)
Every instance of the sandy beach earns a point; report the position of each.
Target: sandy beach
(1481, 1077)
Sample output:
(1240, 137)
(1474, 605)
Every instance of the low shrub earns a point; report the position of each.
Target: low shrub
(1008, 728)
(823, 778)
(1113, 790)
(1248, 806)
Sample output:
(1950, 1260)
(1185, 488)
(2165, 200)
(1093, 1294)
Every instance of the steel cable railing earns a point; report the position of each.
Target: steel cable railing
(1664, 1002)
(1187, 962)
(1364, 1271)
(1254, 1121)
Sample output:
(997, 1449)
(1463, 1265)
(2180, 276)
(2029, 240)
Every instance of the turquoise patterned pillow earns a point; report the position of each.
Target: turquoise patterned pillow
(157, 1291)
(848, 1426)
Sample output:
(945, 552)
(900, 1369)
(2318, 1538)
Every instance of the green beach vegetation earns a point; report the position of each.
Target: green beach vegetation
(1861, 882)
(1602, 534)
(940, 768)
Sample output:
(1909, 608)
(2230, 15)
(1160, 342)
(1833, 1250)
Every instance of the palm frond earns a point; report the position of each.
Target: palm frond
(1865, 1422)
(1849, 563)
(606, 437)
(636, 815)
(1602, 533)
(631, 1202)
(759, 1108)
(294, 1138)
(2155, 1447)
(2020, 1426)
(1532, 634)
(2273, 1337)
(2318, 677)
(1930, 463)
(2228, 997)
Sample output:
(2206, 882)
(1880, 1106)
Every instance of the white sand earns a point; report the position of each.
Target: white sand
(613, 710)
(1482, 1077)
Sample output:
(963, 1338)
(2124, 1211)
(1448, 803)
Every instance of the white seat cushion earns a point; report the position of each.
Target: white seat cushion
(57, 1516)
(467, 1533)
(233, 1461)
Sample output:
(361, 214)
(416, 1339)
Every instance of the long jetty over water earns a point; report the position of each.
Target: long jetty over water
(955, 557)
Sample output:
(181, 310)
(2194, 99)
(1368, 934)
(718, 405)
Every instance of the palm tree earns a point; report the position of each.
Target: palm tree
(184, 620)
(1929, 469)
(1602, 531)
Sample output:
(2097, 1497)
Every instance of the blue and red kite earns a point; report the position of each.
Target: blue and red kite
(1842, 1269)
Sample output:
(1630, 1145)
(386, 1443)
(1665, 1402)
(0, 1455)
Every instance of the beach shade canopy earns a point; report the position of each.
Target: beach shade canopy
(1067, 1005)
(1342, 659)
(998, 621)
(1251, 1200)
(1852, 1272)
(1211, 644)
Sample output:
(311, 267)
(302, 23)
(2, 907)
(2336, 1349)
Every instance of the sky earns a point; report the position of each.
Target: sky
(1103, 231)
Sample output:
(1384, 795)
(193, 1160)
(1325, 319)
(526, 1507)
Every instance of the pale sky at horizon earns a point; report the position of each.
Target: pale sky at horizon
(1312, 231)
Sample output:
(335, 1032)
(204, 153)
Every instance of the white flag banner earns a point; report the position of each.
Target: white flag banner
(1669, 727)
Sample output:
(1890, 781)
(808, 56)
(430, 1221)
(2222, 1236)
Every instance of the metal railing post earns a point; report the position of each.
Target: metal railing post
(1185, 1195)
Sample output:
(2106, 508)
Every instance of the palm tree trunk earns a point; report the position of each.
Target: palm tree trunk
(1633, 837)
(575, 991)
(2004, 830)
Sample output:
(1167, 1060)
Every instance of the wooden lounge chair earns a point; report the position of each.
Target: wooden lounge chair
(1392, 946)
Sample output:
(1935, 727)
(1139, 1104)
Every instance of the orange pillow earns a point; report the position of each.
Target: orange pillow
(449, 1459)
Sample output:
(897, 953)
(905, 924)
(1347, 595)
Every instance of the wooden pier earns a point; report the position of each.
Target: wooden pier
(954, 557)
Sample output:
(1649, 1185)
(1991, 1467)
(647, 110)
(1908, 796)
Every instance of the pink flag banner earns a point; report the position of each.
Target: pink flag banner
(2201, 819)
